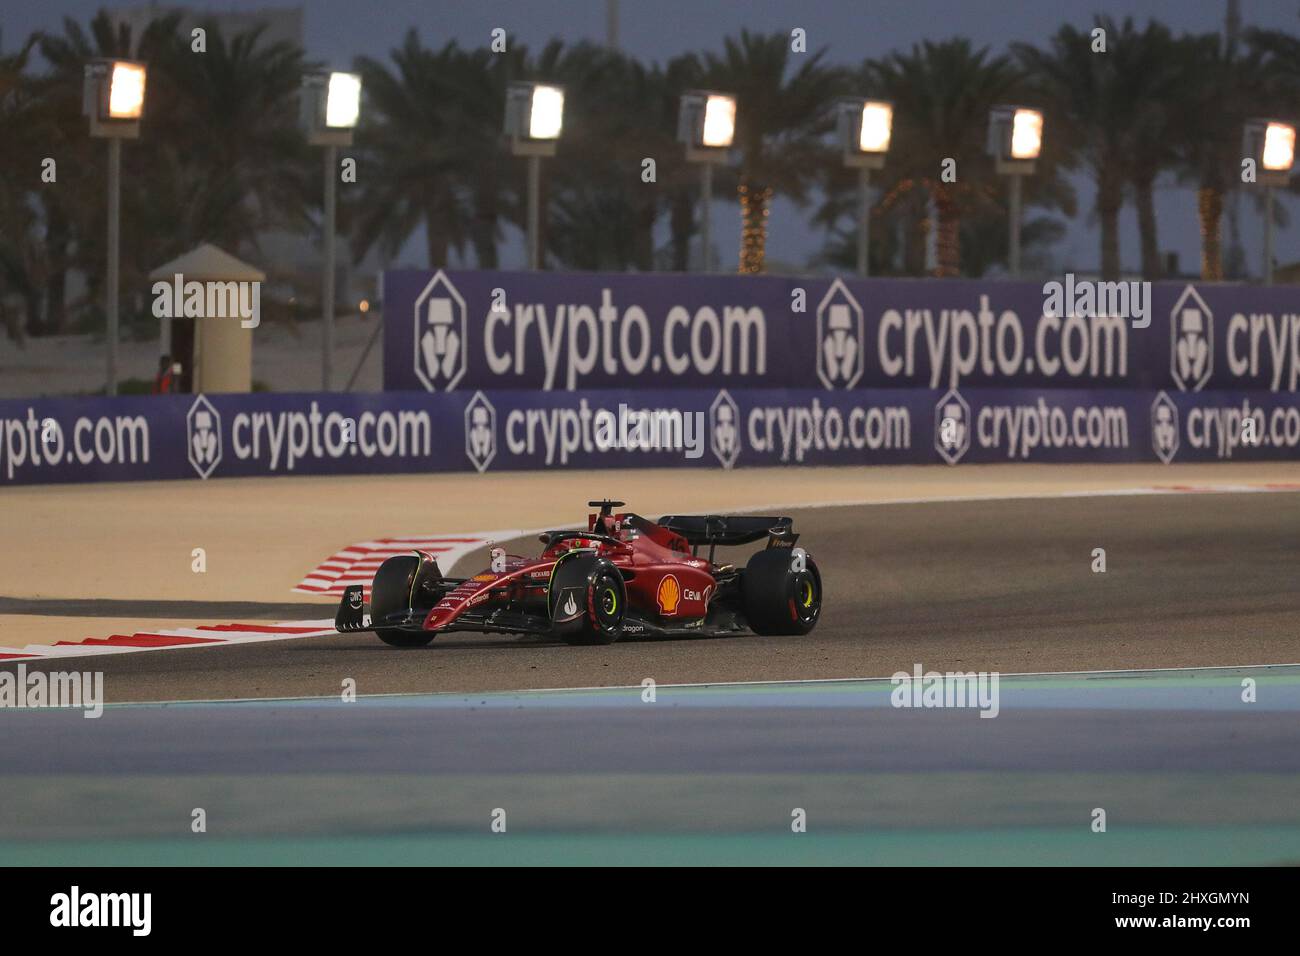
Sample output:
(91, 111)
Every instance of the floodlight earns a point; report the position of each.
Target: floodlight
(1026, 134)
(546, 114)
(1271, 145)
(864, 128)
(719, 121)
(706, 123)
(343, 101)
(1015, 137)
(534, 117)
(1015, 143)
(331, 107)
(113, 97)
(126, 91)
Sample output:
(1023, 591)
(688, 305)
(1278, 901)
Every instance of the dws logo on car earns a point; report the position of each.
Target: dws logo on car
(952, 427)
(480, 431)
(1191, 346)
(841, 338)
(203, 436)
(441, 343)
(724, 429)
(1164, 428)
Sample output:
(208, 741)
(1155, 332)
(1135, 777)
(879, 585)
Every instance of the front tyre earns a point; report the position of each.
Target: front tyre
(587, 600)
(780, 598)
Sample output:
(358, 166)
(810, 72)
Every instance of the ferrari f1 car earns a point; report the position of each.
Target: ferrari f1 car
(622, 575)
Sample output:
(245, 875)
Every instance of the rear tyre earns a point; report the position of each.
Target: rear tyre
(779, 599)
(396, 637)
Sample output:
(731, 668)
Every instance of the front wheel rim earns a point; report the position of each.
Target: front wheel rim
(607, 604)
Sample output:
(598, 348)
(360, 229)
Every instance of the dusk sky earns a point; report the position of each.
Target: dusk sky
(338, 30)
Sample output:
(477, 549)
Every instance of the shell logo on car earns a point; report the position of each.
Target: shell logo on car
(669, 595)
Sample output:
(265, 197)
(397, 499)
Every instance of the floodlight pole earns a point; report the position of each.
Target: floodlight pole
(1013, 243)
(706, 217)
(864, 219)
(111, 280)
(97, 92)
(1268, 235)
(327, 284)
(534, 211)
(533, 151)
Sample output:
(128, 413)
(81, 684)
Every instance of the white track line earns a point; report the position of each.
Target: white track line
(1140, 671)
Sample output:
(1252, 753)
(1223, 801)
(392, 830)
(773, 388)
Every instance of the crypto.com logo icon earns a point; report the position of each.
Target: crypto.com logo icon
(203, 436)
(952, 427)
(1191, 332)
(724, 429)
(841, 341)
(1164, 428)
(480, 431)
(441, 348)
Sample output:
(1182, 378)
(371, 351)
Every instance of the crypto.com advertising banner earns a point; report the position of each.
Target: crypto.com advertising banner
(466, 331)
(216, 436)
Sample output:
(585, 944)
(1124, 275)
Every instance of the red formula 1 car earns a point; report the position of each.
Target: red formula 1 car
(623, 575)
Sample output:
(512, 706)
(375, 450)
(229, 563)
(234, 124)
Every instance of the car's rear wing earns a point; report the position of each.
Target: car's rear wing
(728, 530)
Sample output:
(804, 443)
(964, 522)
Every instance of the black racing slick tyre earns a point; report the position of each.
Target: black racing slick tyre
(396, 637)
(781, 597)
(587, 600)
(403, 589)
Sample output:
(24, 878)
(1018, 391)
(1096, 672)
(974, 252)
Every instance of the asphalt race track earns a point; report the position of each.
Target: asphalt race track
(1187, 768)
(1193, 580)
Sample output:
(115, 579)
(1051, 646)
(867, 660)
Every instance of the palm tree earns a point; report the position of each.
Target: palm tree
(22, 125)
(235, 167)
(477, 81)
(432, 137)
(222, 164)
(781, 114)
(73, 215)
(595, 194)
(942, 93)
(1222, 79)
(1152, 62)
(410, 145)
(620, 114)
(1107, 104)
